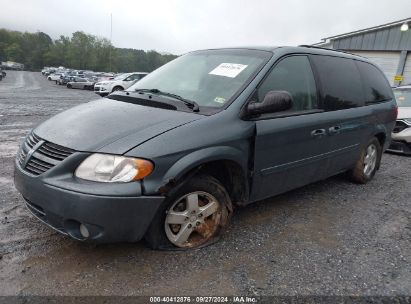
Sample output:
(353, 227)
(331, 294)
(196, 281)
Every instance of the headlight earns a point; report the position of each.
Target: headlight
(408, 120)
(102, 83)
(112, 168)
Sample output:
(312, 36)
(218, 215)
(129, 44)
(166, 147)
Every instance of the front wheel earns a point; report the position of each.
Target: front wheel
(368, 163)
(117, 89)
(191, 216)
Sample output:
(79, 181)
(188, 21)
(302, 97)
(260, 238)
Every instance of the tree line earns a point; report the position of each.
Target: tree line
(80, 51)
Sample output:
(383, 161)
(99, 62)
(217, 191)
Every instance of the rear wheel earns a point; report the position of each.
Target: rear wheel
(191, 216)
(368, 163)
(69, 86)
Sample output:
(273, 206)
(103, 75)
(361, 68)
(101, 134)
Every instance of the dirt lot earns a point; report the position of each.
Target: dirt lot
(329, 238)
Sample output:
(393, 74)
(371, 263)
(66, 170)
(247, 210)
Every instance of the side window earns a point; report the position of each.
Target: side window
(340, 81)
(292, 74)
(131, 78)
(376, 86)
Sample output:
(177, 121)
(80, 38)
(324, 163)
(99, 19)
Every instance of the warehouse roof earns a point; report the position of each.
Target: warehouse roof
(385, 37)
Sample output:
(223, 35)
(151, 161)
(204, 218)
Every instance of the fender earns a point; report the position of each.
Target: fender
(198, 157)
(381, 128)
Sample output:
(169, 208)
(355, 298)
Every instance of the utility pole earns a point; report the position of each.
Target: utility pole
(111, 37)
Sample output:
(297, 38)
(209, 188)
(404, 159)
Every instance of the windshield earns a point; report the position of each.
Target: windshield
(121, 77)
(403, 97)
(210, 78)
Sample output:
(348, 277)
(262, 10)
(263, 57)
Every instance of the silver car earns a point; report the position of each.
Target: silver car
(81, 83)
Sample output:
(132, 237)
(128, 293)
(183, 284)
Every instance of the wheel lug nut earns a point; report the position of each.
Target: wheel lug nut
(198, 223)
(200, 215)
(189, 226)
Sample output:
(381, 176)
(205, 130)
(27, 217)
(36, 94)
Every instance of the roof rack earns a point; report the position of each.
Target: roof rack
(323, 48)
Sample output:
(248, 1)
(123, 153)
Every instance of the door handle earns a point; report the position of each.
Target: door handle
(318, 132)
(334, 130)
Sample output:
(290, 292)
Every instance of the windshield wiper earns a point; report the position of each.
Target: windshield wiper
(189, 103)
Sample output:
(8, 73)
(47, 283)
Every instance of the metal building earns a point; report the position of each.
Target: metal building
(388, 45)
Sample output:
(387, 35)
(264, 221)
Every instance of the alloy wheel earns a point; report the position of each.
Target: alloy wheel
(370, 159)
(193, 219)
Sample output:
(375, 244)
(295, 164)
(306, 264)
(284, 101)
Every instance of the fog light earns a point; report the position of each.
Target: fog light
(84, 231)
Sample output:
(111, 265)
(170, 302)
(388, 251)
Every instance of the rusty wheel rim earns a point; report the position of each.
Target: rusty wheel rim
(193, 219)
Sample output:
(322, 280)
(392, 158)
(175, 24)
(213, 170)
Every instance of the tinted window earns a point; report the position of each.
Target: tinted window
(340, 82)
(376, 87)
(294, 75)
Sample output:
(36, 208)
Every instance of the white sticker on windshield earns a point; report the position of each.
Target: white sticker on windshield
(228, 69)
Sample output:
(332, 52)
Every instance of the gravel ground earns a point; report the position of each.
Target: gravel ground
(328, 238)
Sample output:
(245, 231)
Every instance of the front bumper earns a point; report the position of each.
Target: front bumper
(64, 202)
(401, 137)
(98, 89)
(400, 147)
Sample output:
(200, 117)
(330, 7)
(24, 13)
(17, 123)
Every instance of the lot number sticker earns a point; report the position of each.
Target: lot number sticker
(228, 69)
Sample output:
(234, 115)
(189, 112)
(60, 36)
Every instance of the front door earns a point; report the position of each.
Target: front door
(291, 147)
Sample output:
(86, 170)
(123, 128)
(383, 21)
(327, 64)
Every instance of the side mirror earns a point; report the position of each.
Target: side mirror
(274, 101)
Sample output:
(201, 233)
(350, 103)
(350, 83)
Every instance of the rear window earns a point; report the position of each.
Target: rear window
(340, 82)
(376, 86)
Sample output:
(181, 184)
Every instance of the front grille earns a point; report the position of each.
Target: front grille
(400, 126)
(45, 155)
(54, 151)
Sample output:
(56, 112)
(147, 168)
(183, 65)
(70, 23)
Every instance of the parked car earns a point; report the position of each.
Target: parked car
(170, 157)
(401, 135)
(81, 83)
(65, 78)
(54, 77)
(119, 83)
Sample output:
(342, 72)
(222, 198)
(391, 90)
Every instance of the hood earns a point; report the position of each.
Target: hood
(110, 126)
(404, 112)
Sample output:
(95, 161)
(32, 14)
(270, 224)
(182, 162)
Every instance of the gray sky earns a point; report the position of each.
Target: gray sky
(178, 26)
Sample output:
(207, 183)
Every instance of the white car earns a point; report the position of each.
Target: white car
(401, 135)
(54, 77)
(119, 83)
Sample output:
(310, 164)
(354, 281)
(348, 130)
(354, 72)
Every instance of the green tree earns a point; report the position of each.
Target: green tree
(80, 51)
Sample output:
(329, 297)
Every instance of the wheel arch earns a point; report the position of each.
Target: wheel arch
(117, 86)
(228, 165)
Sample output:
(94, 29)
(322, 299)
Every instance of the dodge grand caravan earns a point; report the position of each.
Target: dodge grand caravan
(169, 158)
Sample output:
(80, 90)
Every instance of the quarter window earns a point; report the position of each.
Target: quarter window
(340, 81)
(376, 87)
(292, 74)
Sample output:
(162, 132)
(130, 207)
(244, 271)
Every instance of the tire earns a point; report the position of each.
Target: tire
(69, 86)
(201, 229)
(367, 164)
(117, 88)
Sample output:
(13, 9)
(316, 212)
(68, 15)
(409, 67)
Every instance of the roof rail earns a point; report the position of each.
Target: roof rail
(323, 48)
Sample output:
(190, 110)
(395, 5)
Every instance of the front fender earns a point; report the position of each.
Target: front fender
(196, 158)
(173, 174)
